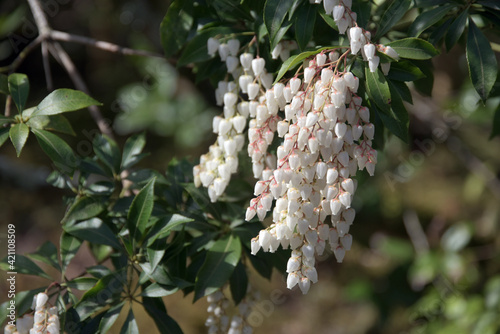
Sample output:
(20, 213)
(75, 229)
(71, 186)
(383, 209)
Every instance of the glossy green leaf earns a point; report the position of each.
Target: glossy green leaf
(163, 227)
(132, 150)
(47, 253)
(456, 30)
(238, 283)
(84, 208)
(130, 324)
(18, 136)
(391, 16)
(483, 67)
(108, 152)
(328, 20)
(157, 312)
(4, 84)
(159, 290)
(95, 231)
(413, 48)
(304, 25)
(425, 85)
(295, 60)
(378, 89)
(439, 32)
(56, 149)
(69, 246)
(19, 88)
(57, 123)
(5, 120)
(428, 19)
(218, 267)
(4, 135)
(397, 120)
(405, 71)
(140, 211)
(82, 283)
(175, 27)
(402, 90)
(64, 100)
(275, 12)
(493, 4)
(196, 50)
(103, 290)
(363, 10)
(201, 198)
(110, 317)
(23, 265)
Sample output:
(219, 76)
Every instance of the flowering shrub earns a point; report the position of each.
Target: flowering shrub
(309, 89)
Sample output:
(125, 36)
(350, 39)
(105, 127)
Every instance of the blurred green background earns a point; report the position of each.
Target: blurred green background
(426, 247)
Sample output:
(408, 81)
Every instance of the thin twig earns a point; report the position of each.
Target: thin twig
(110, 47)
(415, 232)
(46, 66)
(8, 103)
(22, 55)
(41, 21)
(63, 58)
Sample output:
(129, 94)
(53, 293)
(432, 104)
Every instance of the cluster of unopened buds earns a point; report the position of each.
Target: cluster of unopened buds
(327, 136)
(219, 321)
(44, 321)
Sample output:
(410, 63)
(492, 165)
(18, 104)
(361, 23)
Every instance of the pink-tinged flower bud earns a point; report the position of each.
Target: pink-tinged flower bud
(355, 33)
(295, 85)
(340, 129)
(370, 168)
(258, 66)
(293, 265)
(39, 316)
(338, 99)
(323, 231)
(223, 51)
(250, 213)
(333, 56)
(342, 228)
(304, 285)
(369, 131)
(357, 131)
(364, 114)
(276, 51)
(230, 99)
(320, 59)
(244, 81)
(339, 254)
(212, 46)
(265, 239)
(369, 51)
(338, 12)
(348, 185)
(385, 67)
(391, 52)
(287, 94)
(345, 199)
(343, 158)
(373, 63)
(346, 241)
(321, 169)
(331, 175)
(311, 274)
(309, 73)
(292, 280)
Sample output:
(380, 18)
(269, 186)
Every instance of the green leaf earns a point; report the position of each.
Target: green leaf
(24, 265)
(64, 100)
(391, 16)
(130, 325)
(456, 30)
(295, 60)
(164, 226)
(4, 84)
(425, 85)
(304, 25)
(82, 283)
(413, 48)
(363, 9)
(239, 283)
(108, 152)
(328, 20)
(218, 267)
(405, 71)
(57, 123)
(440, 31)
(201, 198)
(19, 88)
(95, 231)
(47, 253)
(397, 121)
(132, 150)
(483, 67)
(5, 120)
(495, 130)
(84, 208)
(156, 310)
(159, 290)
(18, 136)
(378, 89)
(493, 4)
(427, 19)
(175, 27)
(402, 90)
(275, 12)
(110, 317)
(140, 211)
(4, 135)
(196, 50)
(57, 150)
(69, 246)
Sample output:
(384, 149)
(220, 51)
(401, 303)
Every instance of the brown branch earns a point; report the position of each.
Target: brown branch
(22, 55)
(63, 58)
(46, 66)
(110, 47)
(415, 232)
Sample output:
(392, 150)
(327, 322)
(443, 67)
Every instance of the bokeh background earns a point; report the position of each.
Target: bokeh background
(426, 247)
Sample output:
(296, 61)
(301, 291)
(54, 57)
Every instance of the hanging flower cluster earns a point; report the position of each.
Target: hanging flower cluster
(44, 321)
(220, 322)
(326, 137)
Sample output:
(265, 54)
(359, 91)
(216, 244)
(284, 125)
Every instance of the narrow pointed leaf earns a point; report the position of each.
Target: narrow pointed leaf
(108, 152)
(47, 253)
(132, 150)
(95, 231)
(378, 89)
(64, 100)
(239, 283)
(483, 67)
(18, 136)
(413, 48)
(456, 30)
(275, 12)
(391, 16)
(110, 317)
(4, 84)
(130, 325)
(19, 88)
(218, 267)
(84, 208)
(157, 312)
(304, 25)
(57, 150)
(140, 211)
(427, 19)
(69, 246)
(24, 265)
(175, 27)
